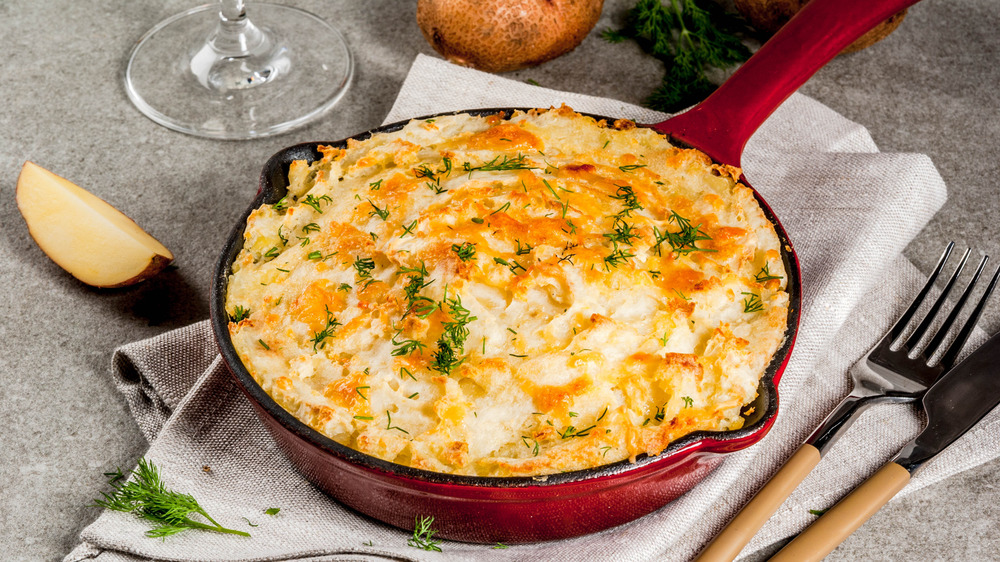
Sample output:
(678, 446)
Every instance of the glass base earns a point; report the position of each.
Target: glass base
(282, 68)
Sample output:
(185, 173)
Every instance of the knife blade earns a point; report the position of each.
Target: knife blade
(954, 404)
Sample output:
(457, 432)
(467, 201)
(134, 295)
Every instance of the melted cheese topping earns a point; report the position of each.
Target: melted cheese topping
(482, 296)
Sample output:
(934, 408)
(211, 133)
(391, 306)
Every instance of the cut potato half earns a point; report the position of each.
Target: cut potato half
(82, 233)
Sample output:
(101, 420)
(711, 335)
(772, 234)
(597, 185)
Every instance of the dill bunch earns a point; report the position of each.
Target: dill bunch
(690, 37)
(146, 496)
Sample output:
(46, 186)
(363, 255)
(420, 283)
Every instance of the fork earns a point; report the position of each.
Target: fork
(894, 370)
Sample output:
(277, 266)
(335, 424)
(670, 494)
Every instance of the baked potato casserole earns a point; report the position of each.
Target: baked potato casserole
(510, 295)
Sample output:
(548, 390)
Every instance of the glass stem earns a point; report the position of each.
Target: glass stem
(236, 35)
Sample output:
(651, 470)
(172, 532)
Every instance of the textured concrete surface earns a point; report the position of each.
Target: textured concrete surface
(931, 88)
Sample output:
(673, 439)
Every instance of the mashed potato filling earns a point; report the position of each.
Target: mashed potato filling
(509, 297)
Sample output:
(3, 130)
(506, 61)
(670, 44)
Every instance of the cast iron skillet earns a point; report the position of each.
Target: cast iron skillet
(524, 509)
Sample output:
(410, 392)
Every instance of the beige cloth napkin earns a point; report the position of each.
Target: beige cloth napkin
(849, 210)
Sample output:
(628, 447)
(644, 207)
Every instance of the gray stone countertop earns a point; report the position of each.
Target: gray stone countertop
(931, 88)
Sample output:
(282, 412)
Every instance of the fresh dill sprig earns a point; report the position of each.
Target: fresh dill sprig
(420, 305)
(147, 497)
(622, 232)
(627, 196)
(684, 241)
(689, 37)
(451, 344)
(617, 257)
(423, 535)
(319, 338)
(497, 165)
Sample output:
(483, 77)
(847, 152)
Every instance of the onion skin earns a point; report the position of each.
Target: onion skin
(505, 35)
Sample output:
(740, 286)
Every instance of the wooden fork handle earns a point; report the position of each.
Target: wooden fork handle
(728, 544)
(820, 538)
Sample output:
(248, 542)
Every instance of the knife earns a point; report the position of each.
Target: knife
(954, 404)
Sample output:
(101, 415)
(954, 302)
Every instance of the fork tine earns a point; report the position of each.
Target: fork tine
(900, 324)
(956, 346)
(926, 323)
(932, 347)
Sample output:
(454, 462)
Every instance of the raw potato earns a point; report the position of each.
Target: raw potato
(503, 35)
(767, 16)
(84, 235)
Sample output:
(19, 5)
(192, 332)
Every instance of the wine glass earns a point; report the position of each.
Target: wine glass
(212, 72)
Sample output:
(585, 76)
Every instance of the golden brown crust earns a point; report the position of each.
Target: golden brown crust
(510, 297)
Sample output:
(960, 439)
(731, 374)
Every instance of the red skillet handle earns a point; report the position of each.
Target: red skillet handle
(722, 124)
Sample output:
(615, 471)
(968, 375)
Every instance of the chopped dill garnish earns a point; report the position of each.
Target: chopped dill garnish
(465, 252)
(382, 213)
(752, 303)
(311, 227)
(375, 185)
(631, 167)
(765, 275)
(239, 313)
(617, 257)
(264, 345)
(688, 401)
(502, 208)
(497, 165)
(390, 426)
(524, 439)
(522, 250)
(629, 200)
(408, 229)
(621, 231)
(364, 267)
(683, 241)
(361, 394)
(405, 347)
(314, 201)
(364, 418)
(272, 253)
(319, 338)
(451, 344)
(573, 432)
(282, 204)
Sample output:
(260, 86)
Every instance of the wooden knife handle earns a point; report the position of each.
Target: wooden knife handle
(728, 544)
(820, 538)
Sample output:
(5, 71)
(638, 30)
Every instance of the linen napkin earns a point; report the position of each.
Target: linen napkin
(848, 209)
